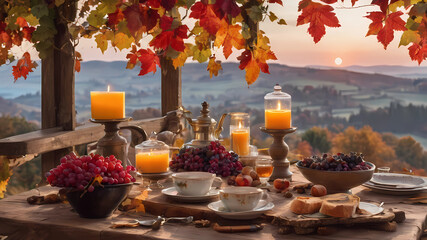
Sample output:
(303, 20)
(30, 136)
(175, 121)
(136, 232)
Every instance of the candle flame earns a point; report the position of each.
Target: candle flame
(108, 88)
(240, 124)
(278, 106)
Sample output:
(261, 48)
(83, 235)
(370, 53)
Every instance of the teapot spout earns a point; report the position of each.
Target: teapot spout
(219, 127)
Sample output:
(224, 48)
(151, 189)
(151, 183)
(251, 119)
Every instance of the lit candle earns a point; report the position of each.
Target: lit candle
(240, 140)
(152, 162)
(278, 118)
(107, 105)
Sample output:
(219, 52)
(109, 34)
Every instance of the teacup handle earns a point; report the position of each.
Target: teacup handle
(265, 195)
(217, 182)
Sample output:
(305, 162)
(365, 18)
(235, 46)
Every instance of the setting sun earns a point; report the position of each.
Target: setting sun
(338, 61)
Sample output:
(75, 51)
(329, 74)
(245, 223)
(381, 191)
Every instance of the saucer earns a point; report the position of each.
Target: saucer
(174, 195)
(262, 207)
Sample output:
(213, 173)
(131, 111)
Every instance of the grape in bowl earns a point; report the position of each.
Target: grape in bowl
(338, 173)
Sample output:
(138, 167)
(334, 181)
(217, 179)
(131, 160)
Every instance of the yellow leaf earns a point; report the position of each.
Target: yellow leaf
(98, 179)
(59, 2)
(201, 55)
(122, 41)
(393, 7)
(142, 196)
(101, 42)
(272, 16)
(3, 185)
(214, 66)
(182, 57)
(140, 208)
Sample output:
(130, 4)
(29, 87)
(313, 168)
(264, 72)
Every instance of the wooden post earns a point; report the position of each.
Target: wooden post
(171, 86)
(58, 106)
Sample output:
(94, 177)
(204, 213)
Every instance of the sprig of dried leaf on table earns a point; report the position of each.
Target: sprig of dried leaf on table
(134, 204)
(52, 197)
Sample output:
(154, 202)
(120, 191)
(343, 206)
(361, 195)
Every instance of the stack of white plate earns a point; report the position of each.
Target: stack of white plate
(397, 184)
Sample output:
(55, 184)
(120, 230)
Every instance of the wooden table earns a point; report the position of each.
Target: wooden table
(19, 220)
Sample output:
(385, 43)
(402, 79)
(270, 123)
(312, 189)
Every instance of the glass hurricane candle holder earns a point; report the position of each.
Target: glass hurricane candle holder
(240, 133)
(277, 106)
(152, 159)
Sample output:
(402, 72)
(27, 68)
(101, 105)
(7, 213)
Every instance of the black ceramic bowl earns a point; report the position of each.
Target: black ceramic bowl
(100, 203)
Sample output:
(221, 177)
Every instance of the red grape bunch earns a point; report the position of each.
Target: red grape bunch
(77, 172)
(213, 158)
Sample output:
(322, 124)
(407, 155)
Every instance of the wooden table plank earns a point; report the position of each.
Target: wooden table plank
(18, 220)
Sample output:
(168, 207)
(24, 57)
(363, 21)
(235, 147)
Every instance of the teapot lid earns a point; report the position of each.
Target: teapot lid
(204, 117)
(153, 143)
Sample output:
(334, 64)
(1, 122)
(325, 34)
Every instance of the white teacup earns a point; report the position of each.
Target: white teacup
(238, 199)
(193, 183)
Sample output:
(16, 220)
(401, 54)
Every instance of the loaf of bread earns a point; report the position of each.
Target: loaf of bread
(339, 205)
(306, 205)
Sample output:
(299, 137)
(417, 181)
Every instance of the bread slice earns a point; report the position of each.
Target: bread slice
(339, 205)
(306, 205)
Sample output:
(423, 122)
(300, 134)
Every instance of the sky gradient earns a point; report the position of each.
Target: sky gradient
(295, 47)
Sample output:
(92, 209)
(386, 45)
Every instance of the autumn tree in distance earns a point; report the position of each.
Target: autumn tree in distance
(221, 27)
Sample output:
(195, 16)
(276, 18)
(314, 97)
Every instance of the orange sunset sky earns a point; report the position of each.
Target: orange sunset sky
(294, 46)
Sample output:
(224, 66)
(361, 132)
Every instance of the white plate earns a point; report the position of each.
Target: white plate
(262, 207)
(398, 180)
(394, 191)
(372, 208)
(171, 193)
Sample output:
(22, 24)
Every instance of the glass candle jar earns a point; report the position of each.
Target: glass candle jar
(152, 156)
(277, 106)
(240, 133)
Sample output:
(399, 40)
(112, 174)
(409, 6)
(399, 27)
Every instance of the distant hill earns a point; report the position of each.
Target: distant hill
(392, 70)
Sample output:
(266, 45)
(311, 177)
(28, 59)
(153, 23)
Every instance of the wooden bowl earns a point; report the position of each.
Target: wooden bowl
(335, 182)
(100, 203)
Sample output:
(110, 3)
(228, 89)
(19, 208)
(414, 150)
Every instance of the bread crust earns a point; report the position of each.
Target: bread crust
(339, 205)
(306, 205)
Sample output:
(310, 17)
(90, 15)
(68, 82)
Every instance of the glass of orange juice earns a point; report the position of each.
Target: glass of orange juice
(264, 169)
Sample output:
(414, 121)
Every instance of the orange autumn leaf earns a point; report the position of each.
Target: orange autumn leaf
(20, 21)
(229, 36)
(214, 66)
(78, 59)
(377, 22)
(418, 52)
(318, 16)
(143, 195)
(23, 67)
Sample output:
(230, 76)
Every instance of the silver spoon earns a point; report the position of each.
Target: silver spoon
(150, 222)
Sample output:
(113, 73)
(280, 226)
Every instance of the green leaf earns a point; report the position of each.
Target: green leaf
(246, 31)
(75, 30)
(272, 16)
(59, 2)
(45, 31)
(282, 22)
(96, 19)
(122, 27)
(255, 13)
(32, 20)
(413, 24)
(190, 3)
(13, 14)
(40, 10)
(172, 53)
(408, 37)
(107, 7)
(44, 48)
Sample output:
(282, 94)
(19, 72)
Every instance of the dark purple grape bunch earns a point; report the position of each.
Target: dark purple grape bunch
(213, 158)
(77, 172)
(338, 162)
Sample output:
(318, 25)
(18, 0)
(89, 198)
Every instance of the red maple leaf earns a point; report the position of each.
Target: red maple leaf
(166, 22)
(329, 1)
(116, 17)
(229, 7)
(148, 60)
(198, 10)
(173, 38)
(210, 21)
(153, 3)
(140, 17)
(418, 52)
(168, 4)
(392, 23)
(276, 1)
(382, 3)
(28, 32)
(16, 39)
(319, 16)
(377, 22)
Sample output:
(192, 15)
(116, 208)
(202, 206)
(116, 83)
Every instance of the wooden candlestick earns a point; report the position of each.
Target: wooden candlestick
(279, 151)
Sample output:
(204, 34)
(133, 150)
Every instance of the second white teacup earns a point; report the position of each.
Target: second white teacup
(238, 199)
(193, 183)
